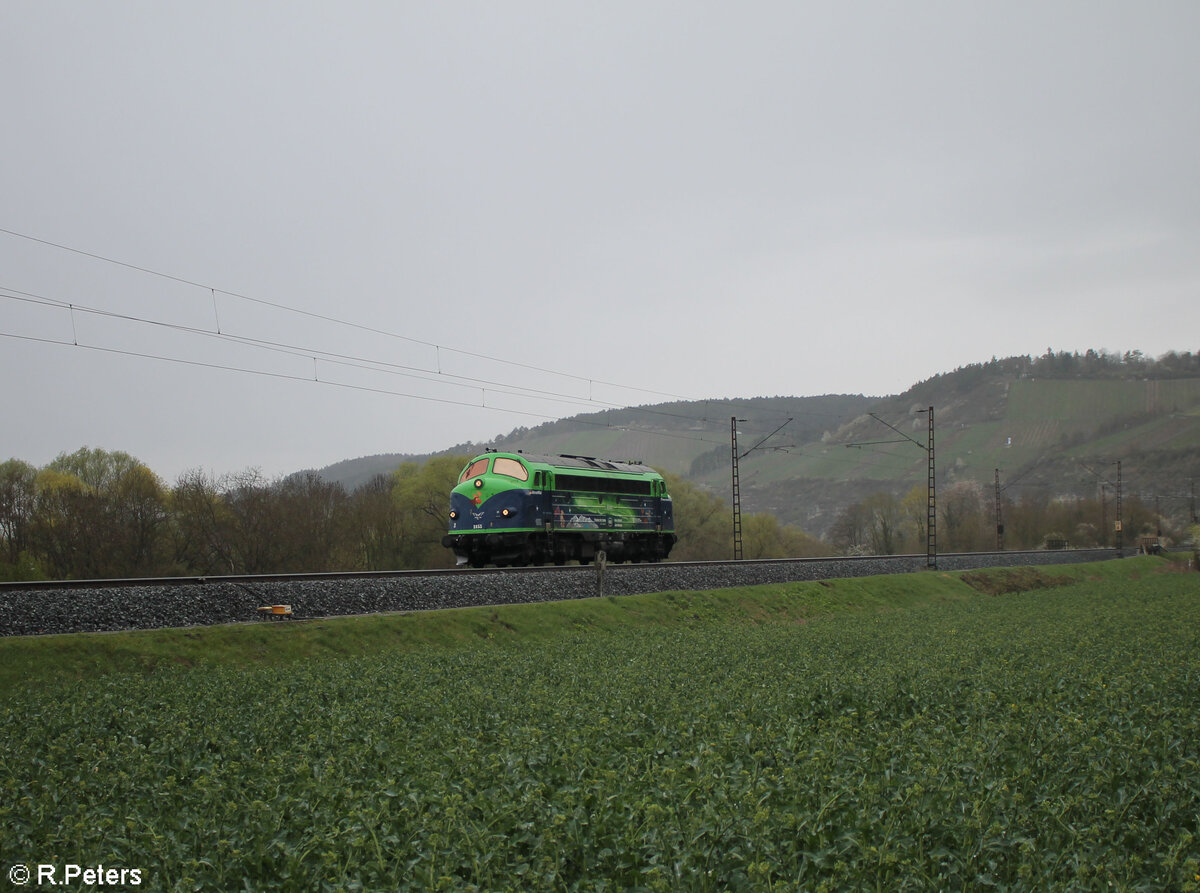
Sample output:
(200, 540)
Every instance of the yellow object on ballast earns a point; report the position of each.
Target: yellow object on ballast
(276, 610)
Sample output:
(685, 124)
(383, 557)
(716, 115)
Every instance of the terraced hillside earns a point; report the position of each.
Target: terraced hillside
(1060, 436)
(689, 439)
(1056, 434)
(1053, 434)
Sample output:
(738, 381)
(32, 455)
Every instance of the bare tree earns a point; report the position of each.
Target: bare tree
(16, 515)
(201, 524)
(376, 525)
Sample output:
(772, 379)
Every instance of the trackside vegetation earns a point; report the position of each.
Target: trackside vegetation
(1010, 729)
(96, 514)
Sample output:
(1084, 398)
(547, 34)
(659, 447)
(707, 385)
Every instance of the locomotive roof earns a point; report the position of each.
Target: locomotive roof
(586, 462)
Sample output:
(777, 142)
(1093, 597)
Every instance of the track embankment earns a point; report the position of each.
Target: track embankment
(46, 609)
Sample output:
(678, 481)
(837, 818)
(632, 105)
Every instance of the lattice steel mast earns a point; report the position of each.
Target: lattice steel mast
(737, 495)
(931, 524)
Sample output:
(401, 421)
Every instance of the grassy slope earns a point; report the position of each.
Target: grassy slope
(39, 661)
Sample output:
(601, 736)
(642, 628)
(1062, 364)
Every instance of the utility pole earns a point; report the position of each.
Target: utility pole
(1104, 512)
(999, 518)
(1120, 532)
(737, 493)
(737, 496)
(931, 491)
(931, 524)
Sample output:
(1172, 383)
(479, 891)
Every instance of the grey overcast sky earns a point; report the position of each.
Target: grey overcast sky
(281, 234)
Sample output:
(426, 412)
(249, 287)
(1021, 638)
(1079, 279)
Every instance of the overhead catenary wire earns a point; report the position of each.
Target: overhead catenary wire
(307, 352)
(1015, 481)
(437, 375)
(214, 291)
(765, 439)
(330, 383)
(324, 317)
(346, 360)
(823, 457)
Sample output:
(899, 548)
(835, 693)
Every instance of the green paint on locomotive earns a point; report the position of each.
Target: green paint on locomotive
(611, 505)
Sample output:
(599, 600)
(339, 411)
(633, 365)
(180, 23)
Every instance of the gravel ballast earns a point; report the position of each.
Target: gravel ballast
(31, 611)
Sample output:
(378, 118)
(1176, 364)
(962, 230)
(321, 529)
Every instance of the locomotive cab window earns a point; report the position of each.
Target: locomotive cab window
(510, 468)
(474, 470)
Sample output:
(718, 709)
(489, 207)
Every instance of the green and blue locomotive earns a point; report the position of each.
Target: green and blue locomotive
(521, 509)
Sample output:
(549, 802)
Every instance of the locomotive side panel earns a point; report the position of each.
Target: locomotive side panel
(518, 509)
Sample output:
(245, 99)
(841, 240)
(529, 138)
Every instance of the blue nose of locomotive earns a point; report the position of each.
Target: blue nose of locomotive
(464, 514)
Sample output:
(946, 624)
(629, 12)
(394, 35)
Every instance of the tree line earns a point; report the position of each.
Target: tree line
(966, 519)
(1091, 364)
(98, 514)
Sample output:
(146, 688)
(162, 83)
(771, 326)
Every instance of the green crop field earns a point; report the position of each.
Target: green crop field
(960, 741)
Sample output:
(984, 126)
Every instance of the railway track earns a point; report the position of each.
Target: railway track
(147, 603)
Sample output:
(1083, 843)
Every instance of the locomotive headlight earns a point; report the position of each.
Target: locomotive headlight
(478, 483)
(505, 512)
(454, 516)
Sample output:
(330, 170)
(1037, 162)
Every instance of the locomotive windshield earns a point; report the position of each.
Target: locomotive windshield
(474, 470)
(510, 468)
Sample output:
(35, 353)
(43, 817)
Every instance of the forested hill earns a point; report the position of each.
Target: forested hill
(1048, 428)
(668, 436)
(1053, 425)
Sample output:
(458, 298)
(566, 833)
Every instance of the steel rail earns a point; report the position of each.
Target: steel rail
(331, 576)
